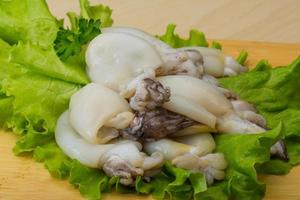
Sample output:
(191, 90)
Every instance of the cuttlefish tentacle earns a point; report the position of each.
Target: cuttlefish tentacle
(192, 152)
(148, 95)
(123, 158)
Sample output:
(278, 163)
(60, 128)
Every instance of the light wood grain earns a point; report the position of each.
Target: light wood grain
(254, 20)
(22, 178)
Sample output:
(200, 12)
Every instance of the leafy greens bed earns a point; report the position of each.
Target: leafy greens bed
(42, 65)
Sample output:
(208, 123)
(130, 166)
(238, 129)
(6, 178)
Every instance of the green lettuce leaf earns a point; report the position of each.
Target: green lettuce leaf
(275, 166)
(218, 191)
(196, 38)
(27, 20)
(55, 161)
(5, 109)
(5, 101)
(4, 49)
(38, 102)
(46, 62)
(90, 182)
(216, 45)
(95, 12)
(242, 57)
(31, 97)
(243, 153)
(275, 94)
(174, 183)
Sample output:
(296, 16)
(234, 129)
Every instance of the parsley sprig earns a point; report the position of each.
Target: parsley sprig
(69, 42)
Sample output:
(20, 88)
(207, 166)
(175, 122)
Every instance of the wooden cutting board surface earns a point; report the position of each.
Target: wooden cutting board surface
(22, 178)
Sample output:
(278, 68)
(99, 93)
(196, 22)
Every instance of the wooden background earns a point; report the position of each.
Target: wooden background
(254, 20)
(276, 20)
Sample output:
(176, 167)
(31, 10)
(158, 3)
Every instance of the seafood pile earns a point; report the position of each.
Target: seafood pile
(148, 103)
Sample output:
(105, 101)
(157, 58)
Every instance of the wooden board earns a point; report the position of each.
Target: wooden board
(22, 178)
(255, 20)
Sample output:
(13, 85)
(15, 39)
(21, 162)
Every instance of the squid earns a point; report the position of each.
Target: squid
(216, 63)
(248, 111)
(192, 61)
(197, 91)
(123, 158)
(206, 104)
(116, 59)
(204, 142)
(193, 152)
(91, 116)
